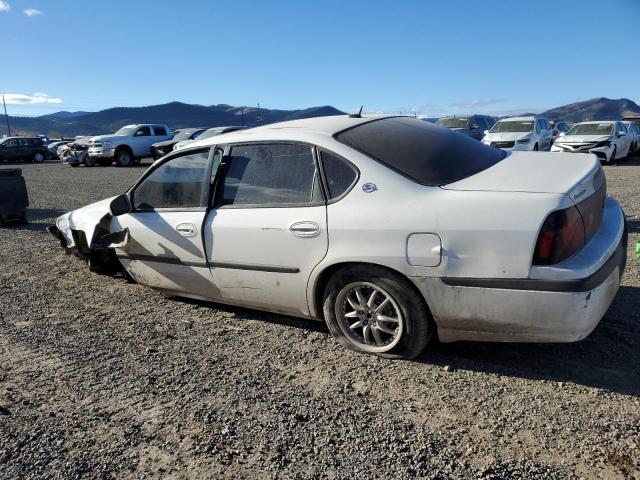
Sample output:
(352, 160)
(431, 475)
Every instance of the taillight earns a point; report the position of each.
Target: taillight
(555, 133)
(561, 235)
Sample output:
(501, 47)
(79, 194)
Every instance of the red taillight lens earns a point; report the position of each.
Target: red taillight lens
(561, 236)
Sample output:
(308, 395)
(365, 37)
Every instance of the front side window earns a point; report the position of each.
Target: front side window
(143, 132)
(271, 174)
(338, 173)
(179, 183)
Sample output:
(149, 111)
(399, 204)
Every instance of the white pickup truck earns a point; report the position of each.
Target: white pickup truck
(127, 146)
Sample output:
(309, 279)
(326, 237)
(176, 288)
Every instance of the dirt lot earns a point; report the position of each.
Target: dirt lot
(101, 379)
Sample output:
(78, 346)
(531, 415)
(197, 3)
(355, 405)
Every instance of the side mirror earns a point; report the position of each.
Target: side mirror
(621, 134)
(120, 205)
(562, 134)
(486, 132)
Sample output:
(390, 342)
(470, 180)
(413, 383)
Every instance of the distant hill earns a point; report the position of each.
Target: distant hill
(174, 114)
(594, 109)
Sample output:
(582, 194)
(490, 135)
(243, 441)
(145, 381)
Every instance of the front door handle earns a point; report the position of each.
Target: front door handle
(186, 229)
(304, 229)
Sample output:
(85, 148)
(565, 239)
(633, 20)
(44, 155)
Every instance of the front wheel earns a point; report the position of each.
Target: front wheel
(123, 158)
(535, 147)
(90, 161)
(38, 157)
(370, 309)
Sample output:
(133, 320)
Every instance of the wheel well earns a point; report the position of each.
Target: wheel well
(328, 272)
(124, 147)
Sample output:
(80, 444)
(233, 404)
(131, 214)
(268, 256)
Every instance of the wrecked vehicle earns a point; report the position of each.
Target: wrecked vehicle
(76, 153)
(390, 229)
(128, 145)
(14, 199)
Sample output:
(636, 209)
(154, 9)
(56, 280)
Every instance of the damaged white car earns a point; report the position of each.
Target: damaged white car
(390, 229)
(607, 140)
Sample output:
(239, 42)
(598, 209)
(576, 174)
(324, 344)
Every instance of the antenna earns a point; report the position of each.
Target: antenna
(357, 115)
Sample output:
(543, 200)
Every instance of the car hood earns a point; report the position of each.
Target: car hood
(583, 138)
(166, 143)
(536, 172)
(85, 219)
(107, 138)
(506, 136)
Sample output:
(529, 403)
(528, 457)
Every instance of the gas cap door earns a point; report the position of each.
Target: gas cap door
(424, 250)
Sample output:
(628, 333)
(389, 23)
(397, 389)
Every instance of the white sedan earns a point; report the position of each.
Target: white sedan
(390, 229)
(608, 140)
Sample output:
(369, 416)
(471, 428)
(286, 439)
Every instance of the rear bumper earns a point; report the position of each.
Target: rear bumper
(528, 310)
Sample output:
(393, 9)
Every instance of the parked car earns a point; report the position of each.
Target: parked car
(127, 146)
(558, 129)
(384, 227)
(160, 149)
(14, 149)
(520, 133)
(53, 148)
(608, 140)
(212, 132)
(632, 118)
(633, 131)
(472, 126)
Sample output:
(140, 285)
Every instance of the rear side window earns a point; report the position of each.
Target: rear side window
(143, 132)
(339, 175)
(271, 174)
(160, 131)
(421, 151)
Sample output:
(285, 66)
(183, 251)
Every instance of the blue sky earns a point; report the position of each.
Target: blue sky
(431, 57)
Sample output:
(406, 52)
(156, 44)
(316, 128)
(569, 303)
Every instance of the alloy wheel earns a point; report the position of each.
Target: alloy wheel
(369, 317)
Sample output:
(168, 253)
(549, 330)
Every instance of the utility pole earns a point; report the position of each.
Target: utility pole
(242, 113)
(6, 116)
(258, 116)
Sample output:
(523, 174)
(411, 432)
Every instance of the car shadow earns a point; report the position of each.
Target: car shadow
(633, 226)
(38, 219)
(608, 359)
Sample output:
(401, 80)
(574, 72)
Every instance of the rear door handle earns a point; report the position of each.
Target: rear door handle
(186, 229)
(304, 229)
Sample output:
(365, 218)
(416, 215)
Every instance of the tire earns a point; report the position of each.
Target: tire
(38, 157)
(612, 158)
(75, 165)
(105, 162)
(535, 147)
(406, 336)
(124, 158)
(89, 161)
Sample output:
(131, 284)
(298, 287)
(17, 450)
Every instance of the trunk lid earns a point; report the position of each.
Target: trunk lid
(536, 172)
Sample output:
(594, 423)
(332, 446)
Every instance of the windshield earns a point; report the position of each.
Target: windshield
(183, 135)
(592, 129)
(419, 150)
(212, 132)
(453, 122)
(512, 126)
(126, 131)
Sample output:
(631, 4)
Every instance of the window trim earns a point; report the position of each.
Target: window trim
(182, 153)
(219, 185)
(323, 175)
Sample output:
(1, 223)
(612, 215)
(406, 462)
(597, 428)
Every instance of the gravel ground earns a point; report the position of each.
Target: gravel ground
(100, 378)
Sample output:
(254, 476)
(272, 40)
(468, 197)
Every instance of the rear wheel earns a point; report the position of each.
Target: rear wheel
(124, 158)
(370, 309)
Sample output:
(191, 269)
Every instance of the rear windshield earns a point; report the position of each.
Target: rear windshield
(421, 151)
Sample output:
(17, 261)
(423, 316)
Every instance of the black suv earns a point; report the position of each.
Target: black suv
(15, 149)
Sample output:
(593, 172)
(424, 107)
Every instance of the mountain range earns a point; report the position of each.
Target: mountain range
(177, 115)
(174, 114)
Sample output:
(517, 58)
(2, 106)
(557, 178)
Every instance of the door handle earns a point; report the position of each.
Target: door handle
(304, 229)
(186, 229)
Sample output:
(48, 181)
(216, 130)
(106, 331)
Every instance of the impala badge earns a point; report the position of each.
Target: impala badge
(369, 187)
